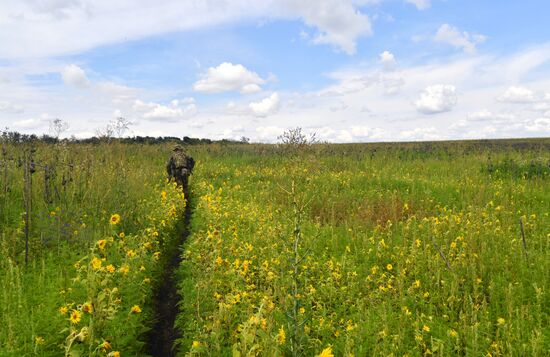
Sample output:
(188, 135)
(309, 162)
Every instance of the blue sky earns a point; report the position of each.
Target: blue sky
(348, 70)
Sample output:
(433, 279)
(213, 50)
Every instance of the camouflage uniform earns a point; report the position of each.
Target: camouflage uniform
(180, 166)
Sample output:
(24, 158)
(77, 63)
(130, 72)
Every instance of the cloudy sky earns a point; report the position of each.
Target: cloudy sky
(348, 70)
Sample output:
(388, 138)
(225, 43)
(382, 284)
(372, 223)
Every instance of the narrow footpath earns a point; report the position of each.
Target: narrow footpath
(163, 334)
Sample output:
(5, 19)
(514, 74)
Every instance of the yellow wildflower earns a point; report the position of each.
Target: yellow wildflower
(101, 243)
(327, 352)
(196, 344)
(426, 328)
(135, 309)
(501, 321)
(110, 268)
(121, 235)
(96, 263)
(75, 317)
(124, 269)
(39, 340)
(389, 267)
(105, 346)
(281, 336)
(87, 307)
(115, 219)
(63, 310)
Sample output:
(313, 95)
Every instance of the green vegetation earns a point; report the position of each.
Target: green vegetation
(98, 217)
(382, 249)
(366, 249)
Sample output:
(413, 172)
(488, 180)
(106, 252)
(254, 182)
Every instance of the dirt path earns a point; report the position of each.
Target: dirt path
(163, 334)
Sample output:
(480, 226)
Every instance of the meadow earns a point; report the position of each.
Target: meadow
(346, 250)
(369, 250)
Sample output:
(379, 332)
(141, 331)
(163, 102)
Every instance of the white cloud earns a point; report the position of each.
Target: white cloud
(452, 36)
(177, 110)
(517, 94)
(338, 21)
(420, 4)
(486, 115)
(8, 107)
(266, 106)
(539, 126)
(229, 77)
(29, 123)
(437, 99)
(33, 29)
(387, 59)
(117, 93)
(417, 134)
(269, 133)
(74, 76)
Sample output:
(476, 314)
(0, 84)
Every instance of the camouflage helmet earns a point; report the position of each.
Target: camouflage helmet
(178, 147)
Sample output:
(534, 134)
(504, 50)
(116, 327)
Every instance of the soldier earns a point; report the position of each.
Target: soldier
(180, 166)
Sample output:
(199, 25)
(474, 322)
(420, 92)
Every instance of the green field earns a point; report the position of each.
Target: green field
(354, 249)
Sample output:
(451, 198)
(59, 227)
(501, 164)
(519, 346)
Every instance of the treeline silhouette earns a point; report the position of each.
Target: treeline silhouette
(16, 137)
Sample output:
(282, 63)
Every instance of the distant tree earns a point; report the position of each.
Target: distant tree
(57, 127)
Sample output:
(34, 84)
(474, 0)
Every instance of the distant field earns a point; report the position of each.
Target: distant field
(354, 249)
(382, 249)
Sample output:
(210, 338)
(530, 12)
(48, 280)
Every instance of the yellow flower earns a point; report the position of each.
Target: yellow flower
(327, 352)
(281, 336)
(122, 235)
(75, 317)
(96, 263)
(196, 344)
(501, 321)
(39, 340)
(87, 307)
(426, 328)
(101, 243)
(63, 310)
(452, 333)
(219, 260)
(110, 268)
(115, 219)
(124, 269)
(135, 309)
(131, 253)
(389, 267)
(105, 346)
(156, 255)
(114, 354)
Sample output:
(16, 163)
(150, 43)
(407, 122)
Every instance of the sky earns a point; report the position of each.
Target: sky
(346, 70)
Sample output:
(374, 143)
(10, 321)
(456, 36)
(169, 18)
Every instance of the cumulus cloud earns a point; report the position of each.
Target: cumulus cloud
(266, 106)
(338, 22)
(75, 76)
(229, 77)
(387, 60)
(175, 111)
(517, 94)
(437, 99)
(452, 36)
(420, 4)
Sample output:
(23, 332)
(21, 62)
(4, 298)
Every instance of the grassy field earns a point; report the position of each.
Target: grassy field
(98, 218)
(368, 249)
(359, 250)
